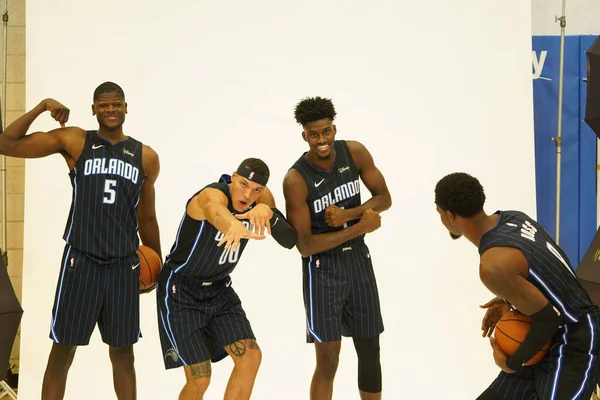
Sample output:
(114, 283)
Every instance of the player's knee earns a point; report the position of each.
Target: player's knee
(122, 357)
(197, 379)
(246, 355)
(328, 357)
(61, 357)
(199, 386)
(369, 365)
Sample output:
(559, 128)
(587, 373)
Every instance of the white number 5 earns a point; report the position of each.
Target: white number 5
(109, 191)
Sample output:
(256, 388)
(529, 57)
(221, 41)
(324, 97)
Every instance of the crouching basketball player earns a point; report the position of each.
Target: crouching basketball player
(200, 316)
(525, 268)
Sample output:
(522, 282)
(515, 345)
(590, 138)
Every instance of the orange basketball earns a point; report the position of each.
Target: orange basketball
(150, 264)
(511, 331)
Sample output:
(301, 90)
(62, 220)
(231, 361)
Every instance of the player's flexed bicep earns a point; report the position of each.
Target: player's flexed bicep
(15, 143)
(372, 177)
(146, 211)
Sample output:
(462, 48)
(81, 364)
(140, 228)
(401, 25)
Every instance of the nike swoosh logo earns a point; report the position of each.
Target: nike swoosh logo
(135, 266)
(318, 184)
(94, 147)
(275, 223)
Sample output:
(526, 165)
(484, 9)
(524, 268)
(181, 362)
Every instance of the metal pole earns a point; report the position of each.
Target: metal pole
(3, 157)
(558, 139)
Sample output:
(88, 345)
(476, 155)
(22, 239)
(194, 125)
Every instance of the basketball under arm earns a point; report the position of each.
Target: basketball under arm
(545, 323)
(282, 231)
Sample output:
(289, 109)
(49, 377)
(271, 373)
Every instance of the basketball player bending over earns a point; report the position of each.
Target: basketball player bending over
(525, 268)
(200, 316)
(98, 282)
(322, 194)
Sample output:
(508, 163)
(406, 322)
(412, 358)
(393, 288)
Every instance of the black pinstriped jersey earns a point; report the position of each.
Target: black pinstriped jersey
(549, 267)
(340, 186)
(195, 252)
(107, 180)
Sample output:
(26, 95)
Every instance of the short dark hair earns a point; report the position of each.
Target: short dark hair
(108, 87)
(313, 109)
(257, 165)
(461, 194)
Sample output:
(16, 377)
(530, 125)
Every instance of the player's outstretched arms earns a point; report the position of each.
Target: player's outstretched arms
(277, 225)
(15, 143)
(211, 205)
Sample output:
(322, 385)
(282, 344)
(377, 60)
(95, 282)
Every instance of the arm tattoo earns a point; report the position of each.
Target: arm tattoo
(201, 370)
(252, 344)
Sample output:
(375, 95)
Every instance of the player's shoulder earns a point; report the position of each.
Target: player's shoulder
(353, 145)
(149, 152)
(294, 186)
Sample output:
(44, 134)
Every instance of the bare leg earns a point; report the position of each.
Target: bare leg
(197, 379)
(57, 369)
(246, 357)
(328, 356)
(123, 372)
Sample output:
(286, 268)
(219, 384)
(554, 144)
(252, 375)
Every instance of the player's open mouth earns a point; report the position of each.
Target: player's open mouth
(323, 147)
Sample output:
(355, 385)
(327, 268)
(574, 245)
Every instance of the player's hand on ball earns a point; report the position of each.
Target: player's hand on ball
(499, 357)
(58, 111)
(235, 233)
(335, 216)
(370, 220)
(495, 309)
(259, 217)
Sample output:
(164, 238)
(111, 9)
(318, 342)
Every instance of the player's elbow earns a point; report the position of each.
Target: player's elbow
(303, 247)
(387, 200)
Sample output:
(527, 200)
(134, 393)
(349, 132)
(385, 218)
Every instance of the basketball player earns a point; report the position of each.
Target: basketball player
(525, 269)
(113, 179)
(323, 203)
(200, 316)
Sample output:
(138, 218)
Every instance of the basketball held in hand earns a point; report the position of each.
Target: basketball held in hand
(150, 265)
(511, 330)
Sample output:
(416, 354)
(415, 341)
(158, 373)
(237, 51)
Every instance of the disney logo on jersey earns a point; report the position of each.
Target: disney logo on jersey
(112, 166)
(343, 169)
(340, 193)
(128, 153)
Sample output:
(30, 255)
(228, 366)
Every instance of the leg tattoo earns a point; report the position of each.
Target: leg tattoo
(201, 370)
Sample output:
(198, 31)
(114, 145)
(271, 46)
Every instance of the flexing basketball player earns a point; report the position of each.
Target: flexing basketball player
(200, 316)
(322, 194)
(525, 268)
(113, 179)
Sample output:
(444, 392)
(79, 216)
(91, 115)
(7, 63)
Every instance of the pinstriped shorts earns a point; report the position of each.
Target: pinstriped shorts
(340, 295)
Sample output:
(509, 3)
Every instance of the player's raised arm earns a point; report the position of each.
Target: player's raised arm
(146, 212)
(295, 192)
(211, 205)
(503, 272)
(15, 143)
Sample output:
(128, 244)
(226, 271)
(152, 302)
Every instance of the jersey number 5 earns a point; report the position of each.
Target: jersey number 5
(109, 191)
